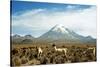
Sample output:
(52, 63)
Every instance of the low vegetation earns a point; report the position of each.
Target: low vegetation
(28, 54)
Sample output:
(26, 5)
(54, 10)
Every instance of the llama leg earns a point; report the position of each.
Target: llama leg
(65, 52)
(38, 52)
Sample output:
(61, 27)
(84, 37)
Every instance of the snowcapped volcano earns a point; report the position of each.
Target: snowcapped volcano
(61, 33)
(58, 32)
(59, 28)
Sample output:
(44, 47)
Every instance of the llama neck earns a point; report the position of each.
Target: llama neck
(39, 48)
(55, 48)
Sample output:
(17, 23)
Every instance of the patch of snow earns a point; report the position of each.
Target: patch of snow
(60, 28)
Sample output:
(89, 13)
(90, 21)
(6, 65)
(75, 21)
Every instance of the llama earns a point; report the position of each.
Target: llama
(60, 49)
(40, 51)
(94, 50)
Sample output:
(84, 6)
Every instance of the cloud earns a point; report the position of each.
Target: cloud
(39, 21)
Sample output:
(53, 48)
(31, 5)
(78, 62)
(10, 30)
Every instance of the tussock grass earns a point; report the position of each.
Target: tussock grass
(27, 54)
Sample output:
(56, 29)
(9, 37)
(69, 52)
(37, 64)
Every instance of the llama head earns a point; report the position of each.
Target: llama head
(53, 45)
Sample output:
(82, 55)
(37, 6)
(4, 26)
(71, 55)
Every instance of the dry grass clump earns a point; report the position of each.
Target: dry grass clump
(29, 55)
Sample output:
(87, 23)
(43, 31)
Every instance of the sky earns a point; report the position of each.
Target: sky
(36, 18)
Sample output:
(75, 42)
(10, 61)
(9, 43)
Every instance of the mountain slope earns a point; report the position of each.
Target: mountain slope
(61, 33)
(22, 39)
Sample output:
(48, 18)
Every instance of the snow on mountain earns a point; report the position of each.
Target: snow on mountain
(61, 33)
(59, 28)
(58, 33)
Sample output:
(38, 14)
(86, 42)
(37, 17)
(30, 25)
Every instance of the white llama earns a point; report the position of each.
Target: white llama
(94, 50)
(40, 51)
(61, 49)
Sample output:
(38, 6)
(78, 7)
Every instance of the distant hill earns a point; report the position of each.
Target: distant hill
(22, 39)
(27, 41)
